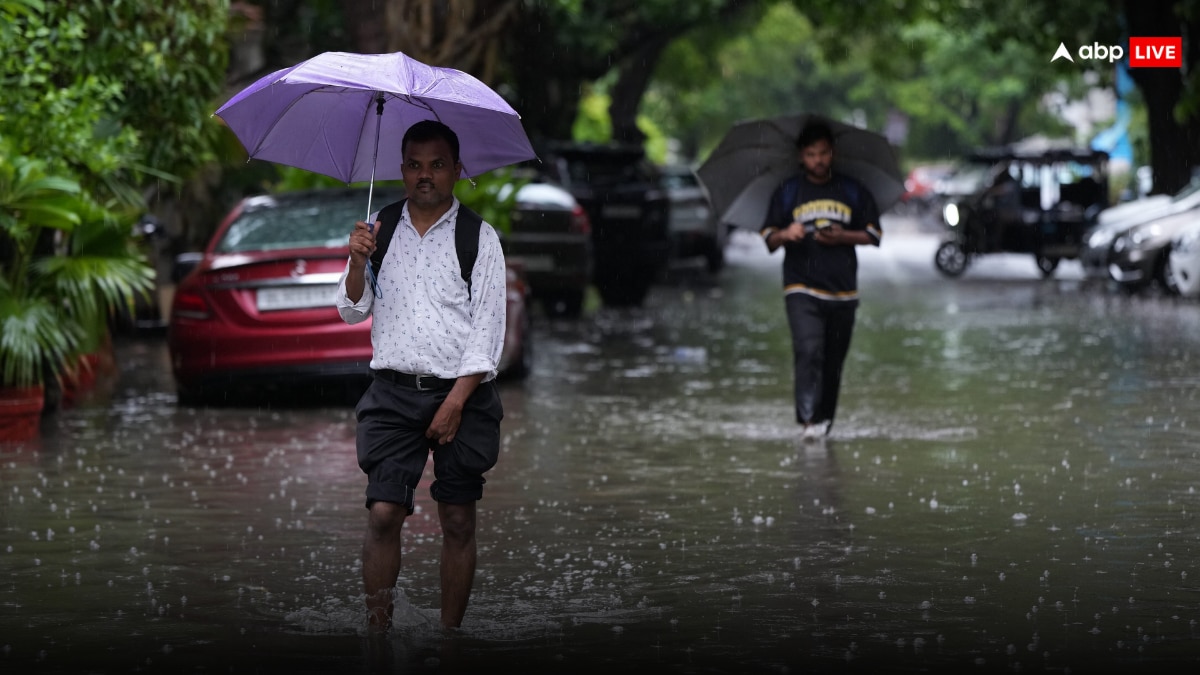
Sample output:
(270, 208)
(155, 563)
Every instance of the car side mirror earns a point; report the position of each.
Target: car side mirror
(184, 264)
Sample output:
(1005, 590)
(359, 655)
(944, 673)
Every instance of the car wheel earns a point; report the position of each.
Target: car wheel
(950, 259)
(568, 304)
(1046, 265)
(715, 258)
(192, 396)
(521, 368)
(1166, 274)
(622, 288)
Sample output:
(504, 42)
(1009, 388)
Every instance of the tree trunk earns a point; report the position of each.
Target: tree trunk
(461, 34)
(633, 78)
(365, 25)
(1006, 125)
(548, 75)
(1174, 147)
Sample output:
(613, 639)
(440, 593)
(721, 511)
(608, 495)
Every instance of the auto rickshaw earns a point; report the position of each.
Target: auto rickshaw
(1039, 201)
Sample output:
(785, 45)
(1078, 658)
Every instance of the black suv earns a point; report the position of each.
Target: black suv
(622, 194)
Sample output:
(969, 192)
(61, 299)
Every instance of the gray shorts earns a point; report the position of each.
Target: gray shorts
(393, 450)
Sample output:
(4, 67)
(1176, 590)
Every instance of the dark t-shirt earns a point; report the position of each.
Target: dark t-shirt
(828, 272)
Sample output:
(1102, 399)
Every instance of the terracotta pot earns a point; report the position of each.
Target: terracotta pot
(78, 379)
(21, 412)
(81, 377)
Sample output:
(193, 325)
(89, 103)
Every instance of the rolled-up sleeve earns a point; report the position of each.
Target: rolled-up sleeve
(353, 312)
(489, 293)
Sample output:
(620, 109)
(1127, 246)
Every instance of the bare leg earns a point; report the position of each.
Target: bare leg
(381, 561)
(458, 560)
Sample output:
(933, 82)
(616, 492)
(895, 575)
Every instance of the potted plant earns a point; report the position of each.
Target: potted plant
(65, 264)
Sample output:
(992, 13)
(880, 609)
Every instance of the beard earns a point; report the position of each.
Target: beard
(819, 173)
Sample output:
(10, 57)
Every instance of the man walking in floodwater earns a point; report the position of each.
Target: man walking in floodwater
(436, 343)
(818, 216)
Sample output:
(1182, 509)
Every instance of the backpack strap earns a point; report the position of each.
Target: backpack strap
(466, 242)
(388, 218)
(466, 238)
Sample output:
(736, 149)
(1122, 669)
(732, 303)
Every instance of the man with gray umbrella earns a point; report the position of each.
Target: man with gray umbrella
(819, 216)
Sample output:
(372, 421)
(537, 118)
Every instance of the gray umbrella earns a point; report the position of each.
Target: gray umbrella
(756, 155)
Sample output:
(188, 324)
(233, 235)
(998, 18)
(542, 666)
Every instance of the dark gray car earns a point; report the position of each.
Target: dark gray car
(550, 240)
(628, 210)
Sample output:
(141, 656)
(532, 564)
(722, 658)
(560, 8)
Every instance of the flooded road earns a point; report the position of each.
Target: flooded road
(1011, 487)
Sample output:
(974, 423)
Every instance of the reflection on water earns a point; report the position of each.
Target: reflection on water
(1011, 488)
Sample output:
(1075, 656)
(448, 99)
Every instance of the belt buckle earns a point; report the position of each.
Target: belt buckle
(417, 381)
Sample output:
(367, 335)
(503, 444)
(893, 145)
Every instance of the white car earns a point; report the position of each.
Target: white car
(1183, 261)
(1096, 252)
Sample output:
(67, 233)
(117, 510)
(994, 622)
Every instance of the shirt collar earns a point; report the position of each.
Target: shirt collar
(450, 213)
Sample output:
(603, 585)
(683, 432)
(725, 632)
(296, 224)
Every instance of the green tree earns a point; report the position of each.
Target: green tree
(703, 86)
(100, 97)
(557, 47)
(116, 92)
(1171, 96)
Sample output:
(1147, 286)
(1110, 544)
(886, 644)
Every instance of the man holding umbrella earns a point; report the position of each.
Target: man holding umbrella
(818, 216)
(437, 343)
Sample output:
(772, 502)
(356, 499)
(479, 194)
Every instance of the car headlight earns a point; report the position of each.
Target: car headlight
(1121, 243)
(1141, 235)
(1100, 239)
(950, 213)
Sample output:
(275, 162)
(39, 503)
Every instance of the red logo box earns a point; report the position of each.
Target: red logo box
(1156, 52)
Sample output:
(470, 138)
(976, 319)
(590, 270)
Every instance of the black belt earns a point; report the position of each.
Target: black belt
(418, 382)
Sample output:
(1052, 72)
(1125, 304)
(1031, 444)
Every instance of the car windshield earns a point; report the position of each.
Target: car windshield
(1188, 190)
(606, 170)
(271, 225)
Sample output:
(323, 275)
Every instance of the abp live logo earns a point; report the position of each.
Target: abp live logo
(1144, 52)
(1156, 52)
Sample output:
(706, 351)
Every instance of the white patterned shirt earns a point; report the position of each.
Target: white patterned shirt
(423, 322)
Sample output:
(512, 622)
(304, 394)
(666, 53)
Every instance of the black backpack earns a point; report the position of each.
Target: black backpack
(466, 238)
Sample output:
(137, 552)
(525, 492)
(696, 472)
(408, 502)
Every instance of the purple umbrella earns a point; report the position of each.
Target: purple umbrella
(332, 113)
(323, 115)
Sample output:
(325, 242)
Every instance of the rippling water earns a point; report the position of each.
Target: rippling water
(1011, 487)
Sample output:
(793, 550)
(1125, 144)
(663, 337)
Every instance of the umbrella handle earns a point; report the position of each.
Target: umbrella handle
(371, 191)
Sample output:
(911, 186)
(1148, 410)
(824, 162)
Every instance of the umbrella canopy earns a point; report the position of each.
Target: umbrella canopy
(321, 115)
(755, 156)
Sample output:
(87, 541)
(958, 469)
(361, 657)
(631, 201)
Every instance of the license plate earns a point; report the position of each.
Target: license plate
(535, 263)
(295, 297)
(621, 211)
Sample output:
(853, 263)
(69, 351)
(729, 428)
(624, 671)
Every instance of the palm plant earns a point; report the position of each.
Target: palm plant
(65, 264)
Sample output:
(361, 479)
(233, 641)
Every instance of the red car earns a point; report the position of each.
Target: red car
(255, 310)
